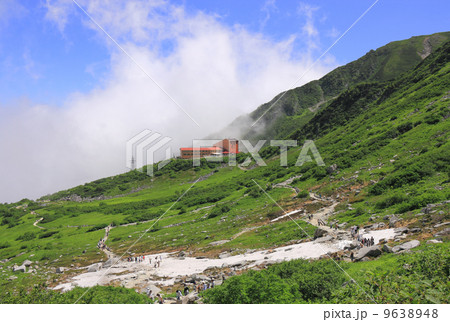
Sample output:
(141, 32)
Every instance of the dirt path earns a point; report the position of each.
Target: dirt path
(106, 249)
(37, 222)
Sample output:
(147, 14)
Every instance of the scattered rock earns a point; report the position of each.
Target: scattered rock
(219, 242)
(320, 233)
(434, 241)
(401, 230)
(322, 240)
(11, 278)
(373, 251)
(406, 246)
(189, 299)
(415, 230)
(354, 244)
(109, 262)
(22, 269)
(224, 255)
(441, 224)
(27, 263)
(393, 220)
(386, 249)
(59, 270)
(94, 268)
(444, 232)
(239, 264)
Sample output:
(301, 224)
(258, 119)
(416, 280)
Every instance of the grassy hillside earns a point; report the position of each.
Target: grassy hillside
(297, 106)
(388, 140)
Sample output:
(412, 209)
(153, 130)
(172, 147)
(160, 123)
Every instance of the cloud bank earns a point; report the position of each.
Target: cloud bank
(214, 71)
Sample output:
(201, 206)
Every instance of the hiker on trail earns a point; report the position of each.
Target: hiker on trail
(160, 299)
(212, 283)
(372, 241)
(186, 291)
(179, 295)
(352, 256)
(150, 293)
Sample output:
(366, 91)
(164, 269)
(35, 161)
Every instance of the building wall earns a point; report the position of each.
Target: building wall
(226, 145)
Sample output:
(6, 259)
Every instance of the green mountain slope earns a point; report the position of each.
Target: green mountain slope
(297, 106)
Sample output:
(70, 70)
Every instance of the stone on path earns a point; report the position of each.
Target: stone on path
(373, 251)
(320, 233)
(406, 246)
(94, 268)
(190, 298)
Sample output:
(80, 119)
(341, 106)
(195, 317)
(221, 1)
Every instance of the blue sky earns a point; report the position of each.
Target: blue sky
(39, 62)
(70, 99)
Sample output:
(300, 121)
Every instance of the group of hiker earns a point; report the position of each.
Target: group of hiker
(366, 242)
(157, 262)
(136, 259)
(204, 286)
(140, 259)
(101, 244)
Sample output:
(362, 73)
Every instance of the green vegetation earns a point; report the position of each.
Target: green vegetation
(95, 295)
(421, 277)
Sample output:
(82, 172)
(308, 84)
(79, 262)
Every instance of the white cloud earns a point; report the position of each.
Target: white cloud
(309, 29)
(214, 71)
(58, 12)
(29, 65)
(268, 7)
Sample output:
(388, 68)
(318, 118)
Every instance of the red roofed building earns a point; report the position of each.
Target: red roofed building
(225, 147)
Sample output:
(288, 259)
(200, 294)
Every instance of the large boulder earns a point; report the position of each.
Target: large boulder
(393, 220)
(22, 269)
(354, 244)
(373, 251)
(401, 230)
(94, 268)
(386, 249)
(110, 262)
(320, 233)
(406, 246)
(444, 232)
(190, 298)
(239, 264)
(155, 290)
